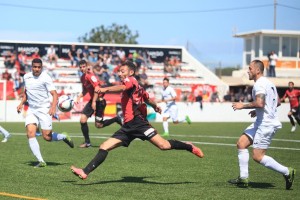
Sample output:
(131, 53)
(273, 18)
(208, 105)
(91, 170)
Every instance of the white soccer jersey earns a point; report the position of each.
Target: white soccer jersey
(37, 89)
(168, 93)
(269, 112)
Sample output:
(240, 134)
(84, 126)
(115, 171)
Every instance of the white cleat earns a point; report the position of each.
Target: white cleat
(293, 129)
(6, 138)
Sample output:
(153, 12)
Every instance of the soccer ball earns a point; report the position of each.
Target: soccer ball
(65, 103)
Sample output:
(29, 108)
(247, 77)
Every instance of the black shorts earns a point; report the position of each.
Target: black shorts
(88, 110)
(138, 127)
(296, 111)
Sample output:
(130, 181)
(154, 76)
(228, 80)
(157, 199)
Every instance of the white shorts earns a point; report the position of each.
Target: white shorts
(172, 112)
(39, 116)
(261, 135)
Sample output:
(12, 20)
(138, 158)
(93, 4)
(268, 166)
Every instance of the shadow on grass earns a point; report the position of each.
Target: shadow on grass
(34, 163)
(261, 185)
(133, 179)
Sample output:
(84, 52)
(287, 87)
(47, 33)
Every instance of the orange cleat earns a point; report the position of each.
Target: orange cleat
(197, 151)
(79, 172)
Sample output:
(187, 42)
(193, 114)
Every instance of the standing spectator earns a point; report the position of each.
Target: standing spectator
(293, 96)
(260, 133)
(51, 55)
(214, 97)
(199, 99)
(272, 64)
(22, 58)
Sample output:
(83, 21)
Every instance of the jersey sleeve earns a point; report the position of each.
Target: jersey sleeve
(49, 83)
(173, 93)
(128, 83)
(93, 79)
(260, 89)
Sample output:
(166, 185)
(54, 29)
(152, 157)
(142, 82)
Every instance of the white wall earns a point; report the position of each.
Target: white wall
(212, 112)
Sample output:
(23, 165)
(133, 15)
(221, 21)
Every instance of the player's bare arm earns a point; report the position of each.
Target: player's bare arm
(23, 100)
(117, 88)
(153, 105)
(52, 109)
(258, 103)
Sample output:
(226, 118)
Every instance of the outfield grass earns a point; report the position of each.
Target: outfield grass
(142, 171)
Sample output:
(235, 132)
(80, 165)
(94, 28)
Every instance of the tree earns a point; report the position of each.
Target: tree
(115, 34)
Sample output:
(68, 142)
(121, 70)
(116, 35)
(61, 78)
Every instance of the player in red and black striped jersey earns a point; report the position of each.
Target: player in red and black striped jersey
(135, 124)
(293, 96)
(90, 82)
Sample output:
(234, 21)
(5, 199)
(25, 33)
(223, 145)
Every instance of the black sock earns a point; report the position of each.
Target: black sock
(175, 144)
(98, 159)
(297, 119)
(291, 120)
(85, 132)
(108, 122)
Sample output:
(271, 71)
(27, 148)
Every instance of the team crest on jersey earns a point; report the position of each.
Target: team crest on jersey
(126, 79)
(94, 79)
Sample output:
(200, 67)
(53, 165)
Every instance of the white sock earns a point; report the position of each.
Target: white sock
(57, 136)
(35, 148)
(166, 126)
(5, 132)
(270, 163)
(243, 155)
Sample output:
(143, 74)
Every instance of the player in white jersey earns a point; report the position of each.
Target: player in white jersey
(171, 110)
(261, 132)
(5, 133)
(38, 86)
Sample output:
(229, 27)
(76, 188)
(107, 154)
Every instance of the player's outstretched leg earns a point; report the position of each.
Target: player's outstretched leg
(289, 179)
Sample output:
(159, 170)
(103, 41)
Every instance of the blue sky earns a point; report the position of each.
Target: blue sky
(207, 25)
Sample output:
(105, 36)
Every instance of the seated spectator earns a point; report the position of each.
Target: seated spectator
(6, 75)
(144, 78)
(167, 67)
(176, 66)
(9, 60)
(51, 55)
(74, 55)
(36, 54)
(116, 71)
(105, 74)
(122, 55)
(97, 71)
(214, 97)
(229, 97)
(92, 59)
(22, 58)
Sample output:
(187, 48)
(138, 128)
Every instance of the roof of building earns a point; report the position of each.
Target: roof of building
(268, 32)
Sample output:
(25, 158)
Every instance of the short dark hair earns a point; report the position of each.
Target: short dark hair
(82, 62)
(166, 79)
(260, 65)
(37, 60)
(130, 65)
(291, 82)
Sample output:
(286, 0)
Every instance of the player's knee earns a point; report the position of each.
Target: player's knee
(257, 158)
(46, 137)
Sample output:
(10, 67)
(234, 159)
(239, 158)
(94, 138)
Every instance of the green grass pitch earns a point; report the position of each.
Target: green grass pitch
(142, 171)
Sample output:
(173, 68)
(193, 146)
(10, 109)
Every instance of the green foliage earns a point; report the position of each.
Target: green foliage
(142, 171)
(115, 34)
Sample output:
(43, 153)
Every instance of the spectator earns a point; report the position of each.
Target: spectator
(22, 58)
(167, 66)
(272, 64)
(36, 54)
(214, 97)
(6, 75)
(74, 55)
(9, 60)
(229, 97)
(51, 55)
(199, 99)
(122, 55)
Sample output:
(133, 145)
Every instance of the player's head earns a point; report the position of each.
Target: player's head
(83, 66)
(291, 85)
(256, 69)
(127, 69)
(166, 82)
(37, 66)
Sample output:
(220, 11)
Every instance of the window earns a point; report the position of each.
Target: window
(289, 47)
(270, 44)
(256, 47)
(248, 45)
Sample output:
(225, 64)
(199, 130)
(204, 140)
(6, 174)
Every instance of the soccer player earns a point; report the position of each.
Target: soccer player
(90, 82)
(38, 85)
(5, 133)
(171, 110)
(135, 124)
(293, 96)
(261, 132)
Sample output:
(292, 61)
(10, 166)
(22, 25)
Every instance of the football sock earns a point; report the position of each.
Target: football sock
(166, 126)
(57, 136)
(297, 119)
(291, 120)
(5, 132)
(270, 163)
(98, 159)
(35, 148)
(243, 156)
(175, 144)
(85, 132)
(108, 122)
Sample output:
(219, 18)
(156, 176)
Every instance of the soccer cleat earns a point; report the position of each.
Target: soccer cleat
(165, 134)
(240, 182)
(68, 140)
(119, 120)
(293, 129)
(289, 179)
(195, 150)
(85, 145)
(79, 172)
(188, 120)
(40, 164)
(5, 139)
(56, 116)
